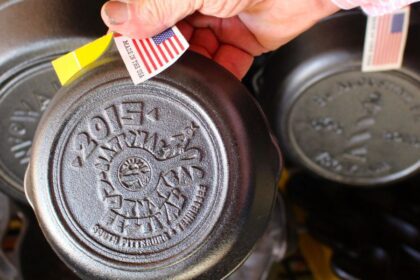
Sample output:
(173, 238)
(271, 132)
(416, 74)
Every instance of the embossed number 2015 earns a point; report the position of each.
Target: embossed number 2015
(85, 144)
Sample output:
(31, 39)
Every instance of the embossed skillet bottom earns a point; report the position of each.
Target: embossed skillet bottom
(367, 123)
(338, 122)
(174, 178)
(23, 99)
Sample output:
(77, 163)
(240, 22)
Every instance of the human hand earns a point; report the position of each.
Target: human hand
(231, 32)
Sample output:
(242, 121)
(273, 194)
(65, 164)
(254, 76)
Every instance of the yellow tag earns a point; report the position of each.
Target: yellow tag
(68, 65)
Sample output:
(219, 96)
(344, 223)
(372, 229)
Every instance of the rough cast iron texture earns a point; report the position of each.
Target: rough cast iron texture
(347, 126)
(173, 178)
(34, 32)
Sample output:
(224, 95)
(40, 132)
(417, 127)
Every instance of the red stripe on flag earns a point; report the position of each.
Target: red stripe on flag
(168, 50)
(173, 46)
(179, 43)
(162, 53)
(148, 54)
(384, 40)
(378, 38)
(392, 44)
(396, 47)
(154, 52)
(388, 41)
(390, 47)
(141, 56)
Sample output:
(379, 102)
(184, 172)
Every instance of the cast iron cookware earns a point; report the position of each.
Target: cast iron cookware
(174, 178)
(32, 33)
(340, 123)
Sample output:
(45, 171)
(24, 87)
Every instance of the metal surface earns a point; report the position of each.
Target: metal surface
(173, 178)
(270, 249)
(344, 125)
(9, 261)
(34, 32)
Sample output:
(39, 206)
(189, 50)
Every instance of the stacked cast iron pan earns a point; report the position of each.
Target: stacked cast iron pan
(354, 128)
(175, 178)
(352, 141)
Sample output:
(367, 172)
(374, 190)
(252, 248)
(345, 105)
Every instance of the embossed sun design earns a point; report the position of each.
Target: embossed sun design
(161, 180)
(134, 173)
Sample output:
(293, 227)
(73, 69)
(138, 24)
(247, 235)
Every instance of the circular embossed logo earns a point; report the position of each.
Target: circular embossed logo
(134, 173)
(138, 177)
(22, 102)
(358, 128)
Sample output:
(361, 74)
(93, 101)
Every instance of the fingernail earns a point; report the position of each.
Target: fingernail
(117, 12)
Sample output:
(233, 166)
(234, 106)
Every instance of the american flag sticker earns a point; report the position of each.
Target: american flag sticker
(385, 40)
(146, 58)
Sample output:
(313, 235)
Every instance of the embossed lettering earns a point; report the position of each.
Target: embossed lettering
(85, 145)
(132, 113)
(327, 124)
(98, 128)
(22, 151)
(404, 138)
(150, 177)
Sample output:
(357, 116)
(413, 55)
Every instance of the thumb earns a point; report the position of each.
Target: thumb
(146, 18)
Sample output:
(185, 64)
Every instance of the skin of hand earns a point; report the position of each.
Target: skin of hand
(231, 32)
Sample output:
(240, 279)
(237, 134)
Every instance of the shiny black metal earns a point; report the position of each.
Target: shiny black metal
(173, 178)
(344, 125)
(270, 249)
(33, 32)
